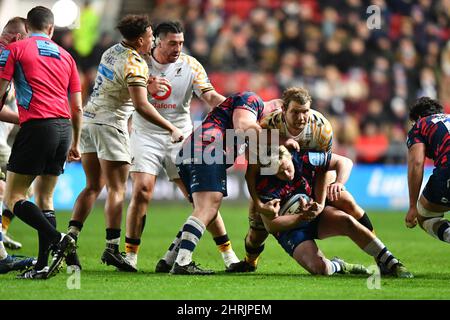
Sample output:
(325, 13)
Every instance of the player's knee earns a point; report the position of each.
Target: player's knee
(143, 194)
(117, 192)
(349, 206)
(210, 203)
(216, 199)
(93, 189)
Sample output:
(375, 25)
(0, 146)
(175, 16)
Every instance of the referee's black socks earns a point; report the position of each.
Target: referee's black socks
(44, 242)
(29, 213)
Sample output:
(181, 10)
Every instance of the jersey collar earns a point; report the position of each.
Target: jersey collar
(158, 65)
(40, 35)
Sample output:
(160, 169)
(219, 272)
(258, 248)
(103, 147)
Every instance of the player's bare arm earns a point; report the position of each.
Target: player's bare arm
(244, 120)
(6, 114)
(213, 98)
(76, 111)
(273, 224)
(343, 167)
(416, 161)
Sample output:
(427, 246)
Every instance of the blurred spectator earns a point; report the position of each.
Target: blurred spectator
(371, 146)
(397, 151)
(86, 36)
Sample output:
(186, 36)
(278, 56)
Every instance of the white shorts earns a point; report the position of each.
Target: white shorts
(153, 152)
(108, 142)
(425, 213)
(4, 157)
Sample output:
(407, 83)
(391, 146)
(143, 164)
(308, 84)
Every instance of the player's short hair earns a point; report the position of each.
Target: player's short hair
(39, 18)
(299, 95)
(133, 26)
(424, 107)
(15, 25)
(165, 27)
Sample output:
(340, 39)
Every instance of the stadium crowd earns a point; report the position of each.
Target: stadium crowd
(362, 80)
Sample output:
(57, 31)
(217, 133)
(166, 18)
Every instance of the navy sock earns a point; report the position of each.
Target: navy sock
(365, 221)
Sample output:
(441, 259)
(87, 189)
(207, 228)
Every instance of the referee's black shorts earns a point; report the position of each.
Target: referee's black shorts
(41, 147)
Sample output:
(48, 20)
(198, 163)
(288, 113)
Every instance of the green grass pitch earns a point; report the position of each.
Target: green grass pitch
(277, 278)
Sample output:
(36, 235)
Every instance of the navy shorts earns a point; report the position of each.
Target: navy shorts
(290, 239)
(437, 189)
(203, 177)
(41, 147)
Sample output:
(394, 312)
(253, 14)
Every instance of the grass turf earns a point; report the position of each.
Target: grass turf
(277, 278)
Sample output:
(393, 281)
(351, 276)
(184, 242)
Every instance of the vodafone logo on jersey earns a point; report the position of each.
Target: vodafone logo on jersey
(163, 95)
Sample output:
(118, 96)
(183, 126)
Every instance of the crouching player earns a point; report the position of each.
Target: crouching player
(429, 137)
(300, 173)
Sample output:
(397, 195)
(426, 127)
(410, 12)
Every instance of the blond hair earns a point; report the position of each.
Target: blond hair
(297, 94)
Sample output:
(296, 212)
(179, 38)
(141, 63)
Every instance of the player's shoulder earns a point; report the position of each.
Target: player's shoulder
(135, 57)
(273, 120)
(248, 96)
(438, 117)
(190, 61)
(318, 118)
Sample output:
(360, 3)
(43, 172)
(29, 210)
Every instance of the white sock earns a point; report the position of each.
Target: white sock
(443, 231)
(172, 252)
(115, 241)
(229, 257)
(3, 253)
(378, 250)
(132, 258)
(192, 232)
(331, 267)
(447, 235)
(74, 230)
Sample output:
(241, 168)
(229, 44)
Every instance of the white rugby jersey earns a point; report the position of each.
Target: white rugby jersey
(121, 67)
(186, 76)
(317, 134)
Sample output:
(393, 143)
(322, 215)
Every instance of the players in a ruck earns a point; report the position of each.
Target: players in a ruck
(302, 128)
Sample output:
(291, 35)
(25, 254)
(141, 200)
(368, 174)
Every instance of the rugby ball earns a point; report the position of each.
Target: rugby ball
(291, 206)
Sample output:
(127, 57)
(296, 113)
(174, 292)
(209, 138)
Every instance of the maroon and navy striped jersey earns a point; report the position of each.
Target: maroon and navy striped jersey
(434, 132)
(306, 163)
(212, 132)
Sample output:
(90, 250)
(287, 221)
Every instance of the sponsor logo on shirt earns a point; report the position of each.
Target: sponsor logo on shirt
(4, 57)
(88, 114)
(106, 72)
(165, 105)
(48, 49)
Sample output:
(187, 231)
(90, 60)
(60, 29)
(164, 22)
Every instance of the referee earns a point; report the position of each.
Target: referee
(43, 74)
